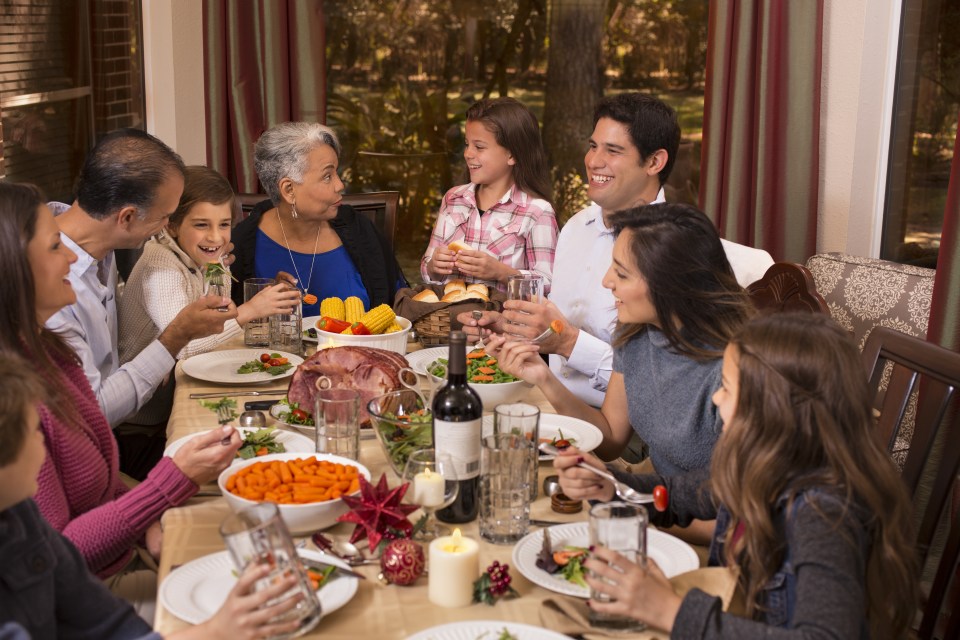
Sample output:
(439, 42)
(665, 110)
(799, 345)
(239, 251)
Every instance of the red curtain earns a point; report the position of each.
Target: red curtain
(761, 134)
(264, 64)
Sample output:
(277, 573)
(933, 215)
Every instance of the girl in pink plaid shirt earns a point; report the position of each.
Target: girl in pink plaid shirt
(501, 223)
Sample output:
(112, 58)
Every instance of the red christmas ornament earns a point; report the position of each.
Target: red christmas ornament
(402, 562)
(377, 510)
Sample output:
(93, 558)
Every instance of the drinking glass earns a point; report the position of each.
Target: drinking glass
(433, 485)
(257, 331)
(217, 284)
(521, 419)
(286, 331)
(621, 527)
(258, 534)
(337, 418)
(527, 287)
(505, 461)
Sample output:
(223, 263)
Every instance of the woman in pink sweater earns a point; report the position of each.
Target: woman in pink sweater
(80, 490)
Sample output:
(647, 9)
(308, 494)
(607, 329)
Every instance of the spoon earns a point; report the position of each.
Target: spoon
(346, 551)
(659, 497)
(477, 315)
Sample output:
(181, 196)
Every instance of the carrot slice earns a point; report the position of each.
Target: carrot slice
(473, 355)
(557, 326)
(481, 378)
(486, 370)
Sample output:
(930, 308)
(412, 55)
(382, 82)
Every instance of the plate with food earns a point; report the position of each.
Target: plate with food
(486, 630)
(241, 366)
(420, 360)
(196, 590)
(257, 442)
(563, 430)
(290, 415)
(561, 570)
(309, 325)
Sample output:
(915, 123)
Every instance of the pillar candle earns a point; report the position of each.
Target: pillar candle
(454, 565)
(428, 488)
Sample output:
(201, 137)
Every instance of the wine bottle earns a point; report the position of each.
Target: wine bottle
(457, 415)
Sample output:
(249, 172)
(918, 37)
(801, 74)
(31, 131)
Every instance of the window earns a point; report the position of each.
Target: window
(926, 104)
(69, 70)
(400, 76)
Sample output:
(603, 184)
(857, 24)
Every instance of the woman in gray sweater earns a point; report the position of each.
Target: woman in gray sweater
(807, 503)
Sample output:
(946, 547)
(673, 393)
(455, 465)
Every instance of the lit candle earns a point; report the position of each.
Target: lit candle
(428, 489)
(454, 565)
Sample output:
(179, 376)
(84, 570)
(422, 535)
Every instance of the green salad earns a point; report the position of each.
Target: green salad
(402, 435)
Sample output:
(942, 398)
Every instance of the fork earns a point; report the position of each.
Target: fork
(624, 492)
(224, 416)
(477, 315)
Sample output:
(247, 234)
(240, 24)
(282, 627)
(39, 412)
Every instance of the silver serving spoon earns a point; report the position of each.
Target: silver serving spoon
(625, 492)
(346, 551)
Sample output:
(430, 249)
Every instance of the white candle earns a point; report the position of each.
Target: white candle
(428, 489)
(454, 565)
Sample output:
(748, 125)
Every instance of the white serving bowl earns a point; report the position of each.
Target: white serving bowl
(396, 341)
(301, 519)
(491, 393)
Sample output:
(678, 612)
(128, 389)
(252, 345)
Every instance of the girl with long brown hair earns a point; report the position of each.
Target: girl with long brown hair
(807, 504)
(677, 303)
(501, 223)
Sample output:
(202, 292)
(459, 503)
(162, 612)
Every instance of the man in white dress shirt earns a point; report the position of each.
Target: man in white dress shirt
(129, 185)
(630, 156)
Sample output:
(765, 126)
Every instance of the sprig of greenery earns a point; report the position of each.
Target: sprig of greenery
(229, 403)
(216, 269)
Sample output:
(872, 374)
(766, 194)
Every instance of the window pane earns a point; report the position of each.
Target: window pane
(401, 75)
(927, 101)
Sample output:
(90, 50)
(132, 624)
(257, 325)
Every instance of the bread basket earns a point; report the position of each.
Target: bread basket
(432, 321)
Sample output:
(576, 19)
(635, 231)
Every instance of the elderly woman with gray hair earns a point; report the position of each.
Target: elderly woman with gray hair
(305, 230)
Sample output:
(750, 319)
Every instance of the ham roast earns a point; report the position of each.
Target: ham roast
(370, 371)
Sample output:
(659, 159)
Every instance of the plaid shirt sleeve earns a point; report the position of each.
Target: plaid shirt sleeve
(541, 244)
(442, 230)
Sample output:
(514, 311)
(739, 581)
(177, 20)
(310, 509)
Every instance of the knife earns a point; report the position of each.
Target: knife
(316, 564)
(259, 405)
(235, 394)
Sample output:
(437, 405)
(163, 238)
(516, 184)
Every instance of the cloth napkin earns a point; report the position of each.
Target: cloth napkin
(571, 616)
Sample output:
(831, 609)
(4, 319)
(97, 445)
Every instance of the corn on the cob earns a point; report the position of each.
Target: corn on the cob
(353, 309)
(333, 308)
(393, 328)
(378, 319)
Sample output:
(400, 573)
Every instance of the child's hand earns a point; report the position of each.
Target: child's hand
(483, 266)
(442, 263)
(278, 298)
(581, 484)
(518, 358)
(641, 593)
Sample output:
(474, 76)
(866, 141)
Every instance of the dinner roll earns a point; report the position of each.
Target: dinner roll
(457, 245)
(426, 296)
(478, 287)
(454, 296)
(455, 285)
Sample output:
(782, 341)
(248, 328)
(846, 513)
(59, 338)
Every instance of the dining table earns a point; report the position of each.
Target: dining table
(378, 609)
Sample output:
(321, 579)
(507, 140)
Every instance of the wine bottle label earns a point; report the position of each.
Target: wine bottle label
(461, 440)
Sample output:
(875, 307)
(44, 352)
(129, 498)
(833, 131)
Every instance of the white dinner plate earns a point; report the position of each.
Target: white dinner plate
(196, 590)
(485, 630)
(309, 323)
(419, 360)
(221, 366)
(674, 556)
(292, 442)
(585, 436)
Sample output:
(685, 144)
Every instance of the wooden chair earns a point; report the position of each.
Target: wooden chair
(787, 287)
(379, 206)
(932, 374)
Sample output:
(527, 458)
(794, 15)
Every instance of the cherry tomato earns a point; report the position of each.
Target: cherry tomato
(561, 444)
(660, 498)
(299, 414)
(264, 357)
(273, 362)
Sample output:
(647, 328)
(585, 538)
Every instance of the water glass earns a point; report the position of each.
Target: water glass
(337, 417)
(521, 419)
(258, 534)
(527, 287)
(286, 331)
(257, 331)
(504, 487)
(621, 527)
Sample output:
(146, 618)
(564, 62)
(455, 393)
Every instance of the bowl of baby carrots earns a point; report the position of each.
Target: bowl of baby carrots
(306, 488)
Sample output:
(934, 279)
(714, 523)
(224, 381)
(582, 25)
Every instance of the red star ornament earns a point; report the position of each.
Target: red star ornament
(377, 509)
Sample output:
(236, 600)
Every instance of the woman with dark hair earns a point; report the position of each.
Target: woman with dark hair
(305, 231)
(500, 223)
(678, 304)
(807, 504)
(80, 492)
